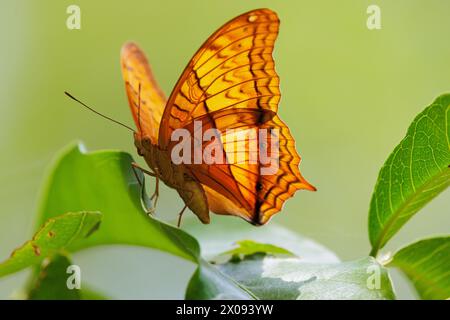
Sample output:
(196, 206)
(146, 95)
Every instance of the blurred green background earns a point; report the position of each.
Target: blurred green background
(349, 95)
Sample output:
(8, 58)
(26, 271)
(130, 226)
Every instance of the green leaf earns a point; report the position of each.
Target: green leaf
(88, 293)
(104, 181)
(263, 277)
(249, 247)
(224, 232)
(427, 265)
(209, 283)
(315, 273)
(55, 235)
(416, 172)
(51, 282)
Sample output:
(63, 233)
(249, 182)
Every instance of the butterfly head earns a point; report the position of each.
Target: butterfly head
(142, 143)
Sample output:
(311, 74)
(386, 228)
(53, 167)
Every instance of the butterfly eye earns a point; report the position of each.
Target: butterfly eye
(146, 142)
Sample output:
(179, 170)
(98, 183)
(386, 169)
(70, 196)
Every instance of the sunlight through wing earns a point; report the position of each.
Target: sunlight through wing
(231, 83)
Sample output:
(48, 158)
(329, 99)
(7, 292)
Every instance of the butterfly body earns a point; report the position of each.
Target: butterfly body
(174, 176)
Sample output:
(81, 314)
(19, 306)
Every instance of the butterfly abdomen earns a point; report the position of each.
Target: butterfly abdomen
(194, 197)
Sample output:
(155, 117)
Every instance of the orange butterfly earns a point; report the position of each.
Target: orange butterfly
(230, 83)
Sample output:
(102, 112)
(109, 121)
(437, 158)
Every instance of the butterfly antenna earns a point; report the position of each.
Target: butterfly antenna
(96, 112)
(139, 109)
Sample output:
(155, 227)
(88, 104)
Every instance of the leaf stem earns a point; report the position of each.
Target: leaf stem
(374, 252)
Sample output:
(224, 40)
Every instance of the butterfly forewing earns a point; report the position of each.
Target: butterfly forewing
(234, 69)
(145, 98)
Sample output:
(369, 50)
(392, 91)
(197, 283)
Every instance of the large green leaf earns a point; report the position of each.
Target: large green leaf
(416, 172)
(265, 277)
(104, 181)
(427, 265)
(57, 234)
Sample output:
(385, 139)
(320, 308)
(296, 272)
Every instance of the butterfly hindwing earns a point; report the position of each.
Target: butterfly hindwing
(252, 190)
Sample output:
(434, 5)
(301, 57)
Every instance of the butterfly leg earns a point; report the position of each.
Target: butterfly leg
(155, 195)
(180, 215)
(135, 167)
(188, 198)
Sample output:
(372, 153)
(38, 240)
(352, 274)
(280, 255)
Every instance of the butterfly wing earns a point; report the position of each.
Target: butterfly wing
(233, 69)
(231, 83)
(145, 98)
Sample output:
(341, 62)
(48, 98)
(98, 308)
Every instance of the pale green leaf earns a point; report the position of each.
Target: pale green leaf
(264, 277)
(57, 234)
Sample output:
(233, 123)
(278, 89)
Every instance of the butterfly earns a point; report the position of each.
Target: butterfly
(230, 83)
